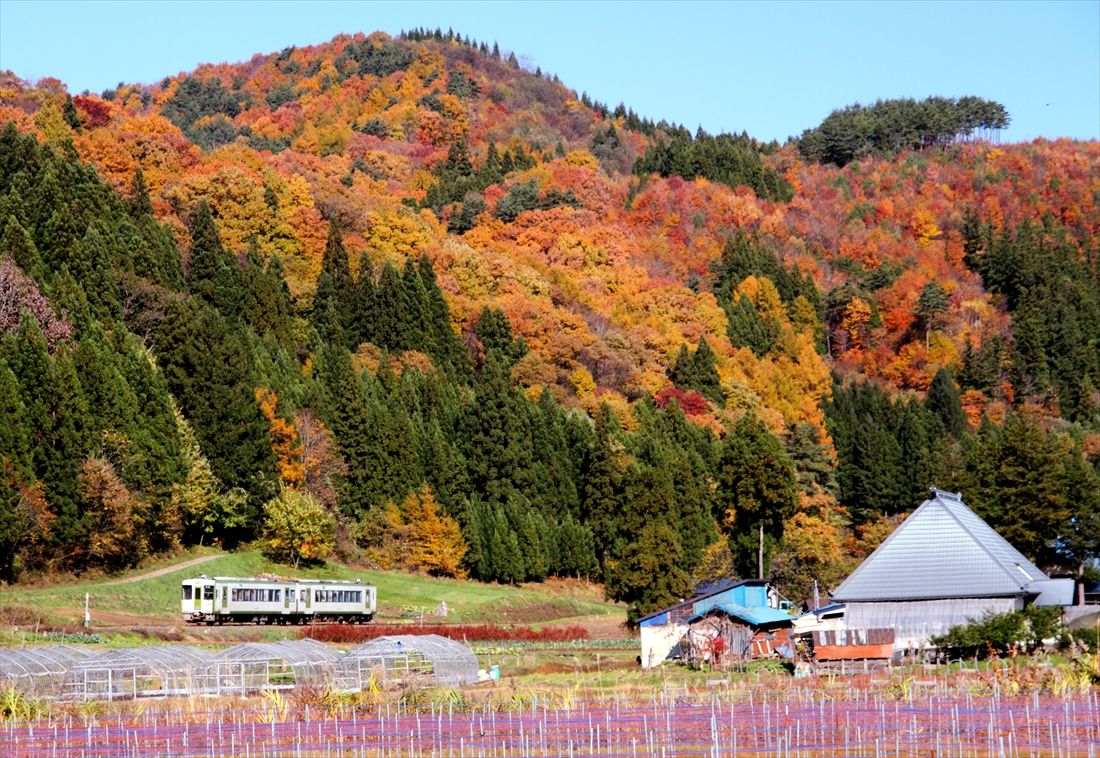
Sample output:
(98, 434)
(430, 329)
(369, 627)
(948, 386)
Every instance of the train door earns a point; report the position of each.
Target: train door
(191, 597)
(208, 598)
(288, 596)
(309, 598)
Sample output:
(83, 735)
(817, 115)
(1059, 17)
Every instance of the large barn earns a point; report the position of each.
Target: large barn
(943, 566)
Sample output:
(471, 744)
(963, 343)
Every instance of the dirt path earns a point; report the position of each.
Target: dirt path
(166, 570)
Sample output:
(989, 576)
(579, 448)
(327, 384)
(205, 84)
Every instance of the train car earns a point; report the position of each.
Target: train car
(227, 599)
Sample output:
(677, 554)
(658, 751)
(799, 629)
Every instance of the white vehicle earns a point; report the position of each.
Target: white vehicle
(227, 599)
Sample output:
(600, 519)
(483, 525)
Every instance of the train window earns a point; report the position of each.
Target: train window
(208, 592)
(338, 596)
(290, 595)
(187, 592)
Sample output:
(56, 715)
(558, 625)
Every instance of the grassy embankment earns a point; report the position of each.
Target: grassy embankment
(156, 598)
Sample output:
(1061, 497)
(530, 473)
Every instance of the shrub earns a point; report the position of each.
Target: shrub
(464, 632)
(999, 634)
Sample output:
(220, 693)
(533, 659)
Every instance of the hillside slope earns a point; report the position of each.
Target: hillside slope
(443, 270)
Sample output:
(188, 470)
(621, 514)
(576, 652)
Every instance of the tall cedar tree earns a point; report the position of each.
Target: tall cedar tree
(757, 493)
(213, 274)
(211, 373)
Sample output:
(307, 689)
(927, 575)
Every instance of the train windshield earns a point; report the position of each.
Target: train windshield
(187, 592)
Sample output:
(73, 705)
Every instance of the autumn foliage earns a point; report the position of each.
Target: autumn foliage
(469, 321)
(463, 632)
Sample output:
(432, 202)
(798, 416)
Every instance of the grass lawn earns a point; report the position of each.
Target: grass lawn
(398, 594)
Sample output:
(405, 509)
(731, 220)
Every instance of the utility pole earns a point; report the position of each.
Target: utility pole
(760, 554)
(87, 615)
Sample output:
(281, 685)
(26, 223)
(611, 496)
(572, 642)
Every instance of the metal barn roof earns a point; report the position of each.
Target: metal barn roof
(752, 616)
(943, 550)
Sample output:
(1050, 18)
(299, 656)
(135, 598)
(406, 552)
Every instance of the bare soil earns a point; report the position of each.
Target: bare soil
(166, 570)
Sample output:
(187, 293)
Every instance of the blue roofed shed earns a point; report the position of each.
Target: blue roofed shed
(751, 604)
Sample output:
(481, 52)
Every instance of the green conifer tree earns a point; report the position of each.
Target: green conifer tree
(756, 494)
(210, 371)
(944, 403)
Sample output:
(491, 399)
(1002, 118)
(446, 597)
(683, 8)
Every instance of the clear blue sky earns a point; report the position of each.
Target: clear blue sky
(771, 69)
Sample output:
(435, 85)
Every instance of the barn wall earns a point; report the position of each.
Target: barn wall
(916, 621)
(658, 641)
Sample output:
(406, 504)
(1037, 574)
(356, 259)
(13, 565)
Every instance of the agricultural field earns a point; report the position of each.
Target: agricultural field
(570, 685)
(977, 713)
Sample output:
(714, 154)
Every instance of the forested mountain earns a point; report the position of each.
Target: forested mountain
(400, 298)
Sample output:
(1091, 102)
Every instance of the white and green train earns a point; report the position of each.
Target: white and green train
(228, 599)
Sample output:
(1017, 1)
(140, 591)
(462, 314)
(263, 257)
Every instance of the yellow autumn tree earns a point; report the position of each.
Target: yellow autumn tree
(435, 543)
(855, 321)
(297, 527)
(116, 515)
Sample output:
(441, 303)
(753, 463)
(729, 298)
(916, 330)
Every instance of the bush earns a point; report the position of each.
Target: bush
(462, 632)
(1001, 633)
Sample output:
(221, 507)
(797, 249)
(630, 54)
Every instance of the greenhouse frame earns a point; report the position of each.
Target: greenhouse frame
(38, 671)
(253, 666)
(135, 672)
(406, 660)
(74, 674)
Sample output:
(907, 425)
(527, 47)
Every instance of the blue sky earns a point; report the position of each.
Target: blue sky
(771, 69)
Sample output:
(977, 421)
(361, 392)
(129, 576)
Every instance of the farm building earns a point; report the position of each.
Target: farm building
(943, 566)
(722, 621)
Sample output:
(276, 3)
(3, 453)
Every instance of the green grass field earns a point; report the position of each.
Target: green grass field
(157, 598)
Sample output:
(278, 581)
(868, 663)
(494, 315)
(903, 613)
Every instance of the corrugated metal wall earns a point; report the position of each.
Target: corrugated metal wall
(917, 620)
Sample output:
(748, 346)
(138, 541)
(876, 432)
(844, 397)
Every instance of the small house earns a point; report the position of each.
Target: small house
(722, 621)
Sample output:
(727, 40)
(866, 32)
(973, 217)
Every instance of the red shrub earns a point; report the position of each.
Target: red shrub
(461, 632)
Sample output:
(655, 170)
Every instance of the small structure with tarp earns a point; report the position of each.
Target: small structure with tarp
(255, 666)
(728, 633)
(38, 671)
(726, 616)
(406, 660)
(853, 644)
(135, 672)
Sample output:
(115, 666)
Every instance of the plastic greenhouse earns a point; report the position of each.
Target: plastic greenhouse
(135, 672)
(274, 665)
(406, 660)
(38, 671)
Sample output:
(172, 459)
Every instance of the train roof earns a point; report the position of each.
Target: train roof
(259, 580)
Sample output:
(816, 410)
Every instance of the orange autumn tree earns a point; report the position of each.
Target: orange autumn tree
(284, 439)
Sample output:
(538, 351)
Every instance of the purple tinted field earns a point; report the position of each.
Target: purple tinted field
(807, 725)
